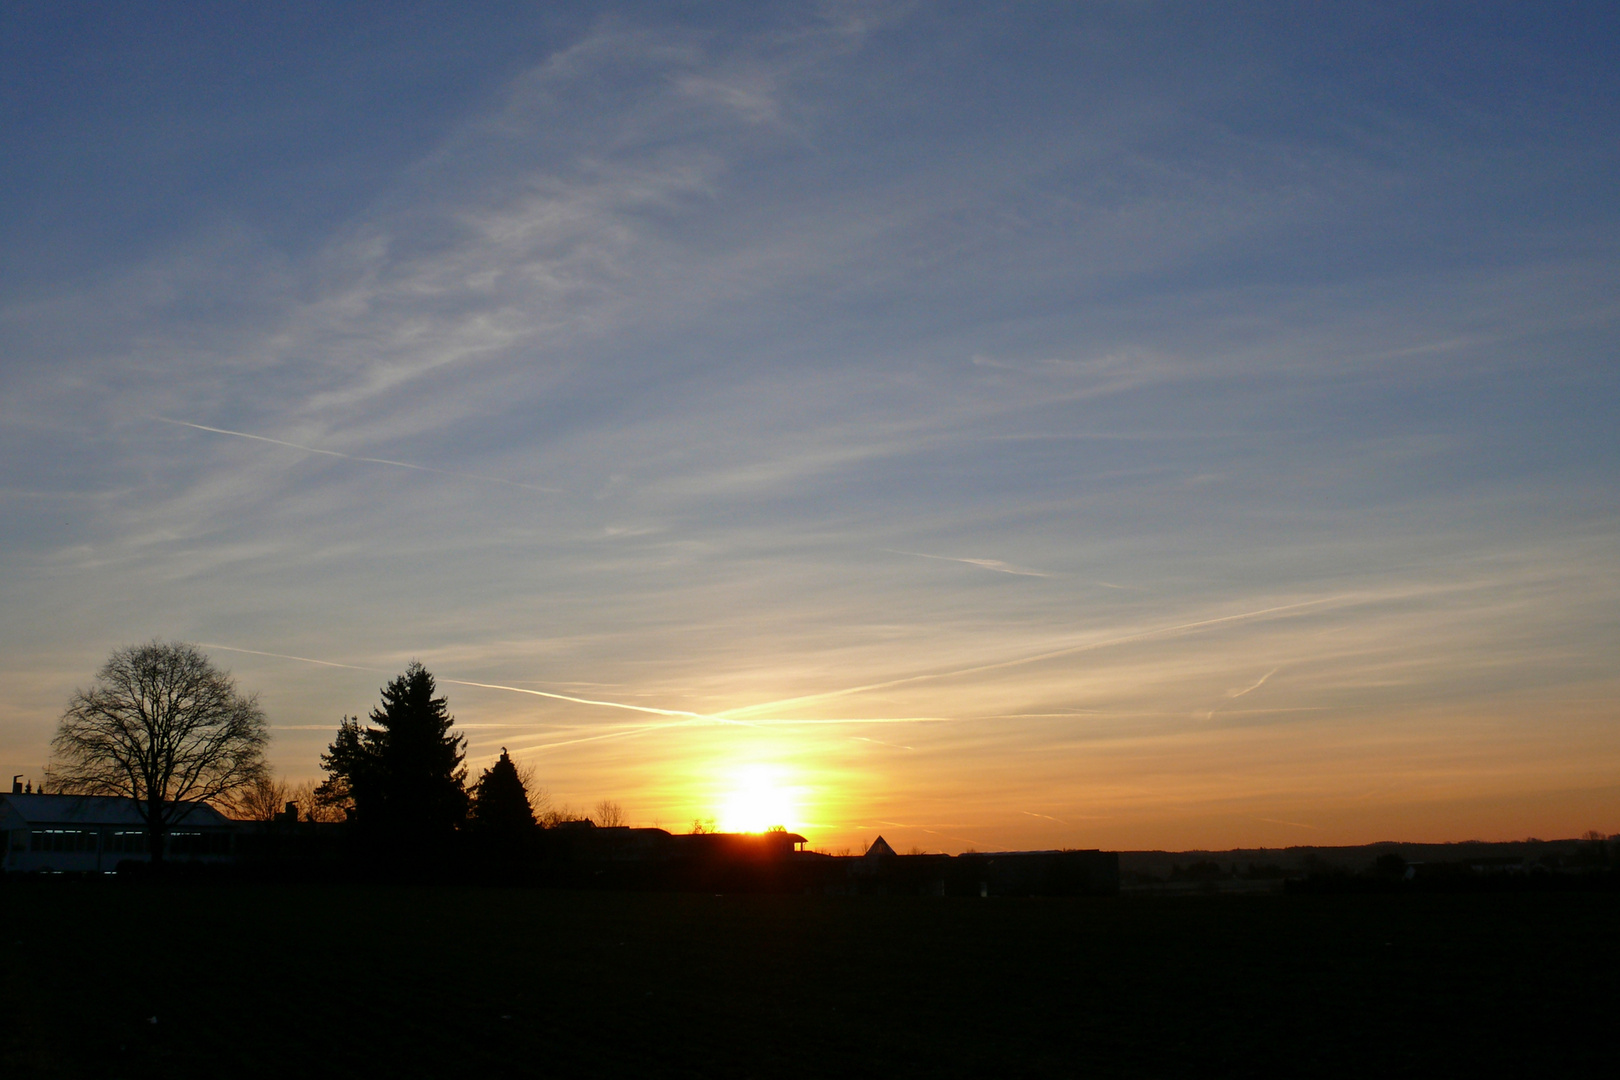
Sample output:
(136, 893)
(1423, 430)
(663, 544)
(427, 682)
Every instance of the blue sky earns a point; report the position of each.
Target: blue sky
(1033, 425)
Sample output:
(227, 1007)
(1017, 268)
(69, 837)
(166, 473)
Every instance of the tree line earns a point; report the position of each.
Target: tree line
(165, 728)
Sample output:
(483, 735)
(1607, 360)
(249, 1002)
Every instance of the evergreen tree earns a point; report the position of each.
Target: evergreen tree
(404, 777)
(501, 803)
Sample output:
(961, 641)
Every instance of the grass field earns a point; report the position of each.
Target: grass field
(288, 981)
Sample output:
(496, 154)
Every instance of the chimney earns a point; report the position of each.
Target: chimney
(16, 784)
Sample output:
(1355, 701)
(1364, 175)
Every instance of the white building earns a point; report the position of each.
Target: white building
(88, 833)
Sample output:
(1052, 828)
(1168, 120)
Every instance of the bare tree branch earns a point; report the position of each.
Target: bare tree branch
(608, 814)
(320, 802)
(263, 800)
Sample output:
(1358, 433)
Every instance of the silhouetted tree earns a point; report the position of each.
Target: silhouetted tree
(1389, 865)
(319, 802)
(500, 804)
(1593, 849)
(608, 814)
(351, 759)
(404, 777)
(539, 797)
(262, 800)
(552, 817)
(163, 727)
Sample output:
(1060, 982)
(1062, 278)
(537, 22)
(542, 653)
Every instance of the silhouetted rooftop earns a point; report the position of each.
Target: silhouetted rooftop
(96, 810)
(880, 847)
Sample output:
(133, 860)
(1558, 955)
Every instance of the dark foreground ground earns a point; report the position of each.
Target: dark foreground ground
(293, 981)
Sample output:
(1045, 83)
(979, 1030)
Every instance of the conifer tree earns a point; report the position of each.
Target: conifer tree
(501, 802)
(404, 776)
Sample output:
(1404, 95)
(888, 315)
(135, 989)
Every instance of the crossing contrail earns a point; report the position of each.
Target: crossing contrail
(624, 733)
(1201, 624)
(681, 717)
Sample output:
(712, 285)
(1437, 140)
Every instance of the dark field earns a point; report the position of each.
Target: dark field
(293, 981)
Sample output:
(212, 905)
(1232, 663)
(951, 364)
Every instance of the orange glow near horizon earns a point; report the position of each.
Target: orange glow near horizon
(756, 797)
(1312, 729)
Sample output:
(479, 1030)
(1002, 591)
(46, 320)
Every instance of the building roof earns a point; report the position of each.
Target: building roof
(879, 848)
(93, 810)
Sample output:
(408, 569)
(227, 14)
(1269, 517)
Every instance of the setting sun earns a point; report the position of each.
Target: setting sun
(758, 797)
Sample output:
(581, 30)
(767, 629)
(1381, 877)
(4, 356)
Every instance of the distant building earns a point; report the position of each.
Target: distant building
(1037, 873)
(1001, 873)
(879, 849)
(620, 843)
(90, 833)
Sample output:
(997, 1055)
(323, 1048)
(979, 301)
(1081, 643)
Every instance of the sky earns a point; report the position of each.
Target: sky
(1029, 425)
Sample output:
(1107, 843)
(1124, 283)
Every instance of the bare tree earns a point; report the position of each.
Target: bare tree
(316, 802)
(608, 814)
(539, 797)
(262, 800)
(554, 816)
(164, 728)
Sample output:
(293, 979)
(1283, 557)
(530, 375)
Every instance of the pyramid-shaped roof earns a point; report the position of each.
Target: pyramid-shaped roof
(880, 847)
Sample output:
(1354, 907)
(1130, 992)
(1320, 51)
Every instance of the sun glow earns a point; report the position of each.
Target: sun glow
(760, 796)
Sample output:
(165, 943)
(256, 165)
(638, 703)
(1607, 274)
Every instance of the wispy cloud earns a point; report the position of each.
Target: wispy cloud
(1290, 824)
(776, 301)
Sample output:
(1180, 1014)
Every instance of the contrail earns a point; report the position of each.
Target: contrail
(1250, 689)
(1048, 817)
(1201, 624)
(356, 457)
(683, 714)
(880, 742)
(819, 722)
(624, 734)
(605, 704)
(984, 564)
(285, 656)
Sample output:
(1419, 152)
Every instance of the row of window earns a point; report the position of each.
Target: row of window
(63, 840)
(117, 843)
(199, 843)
